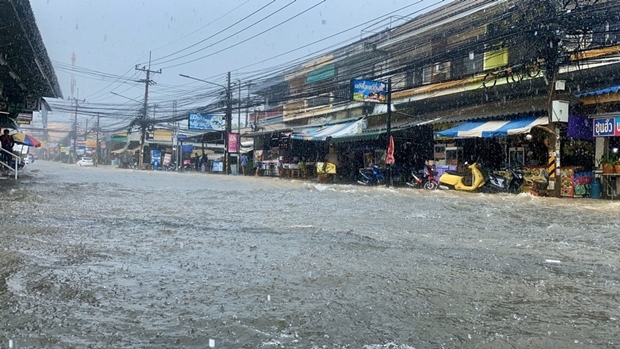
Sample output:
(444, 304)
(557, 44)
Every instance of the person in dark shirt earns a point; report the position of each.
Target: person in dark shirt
(7, 146)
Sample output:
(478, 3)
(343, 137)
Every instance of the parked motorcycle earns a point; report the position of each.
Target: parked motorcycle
(467, 181)
(426, 178)
(371, 176)
(497, 183)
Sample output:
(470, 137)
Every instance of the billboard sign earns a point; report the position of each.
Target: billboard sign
(368, 91)
(208, 122)
(606, 127)
(233, 141)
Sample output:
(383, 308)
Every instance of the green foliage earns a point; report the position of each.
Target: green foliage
(607, 159)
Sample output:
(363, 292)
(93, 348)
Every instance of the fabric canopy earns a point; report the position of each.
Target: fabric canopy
(122, 150)
(612, 89)
(322, 132)
(491, 129)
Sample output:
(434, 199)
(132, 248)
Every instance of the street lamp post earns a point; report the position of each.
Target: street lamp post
(228, 115)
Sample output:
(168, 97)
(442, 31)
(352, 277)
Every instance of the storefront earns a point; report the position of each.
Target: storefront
(503, 144)
(606, 130)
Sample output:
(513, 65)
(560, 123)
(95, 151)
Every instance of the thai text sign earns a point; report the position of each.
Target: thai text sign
(607, 127)
(205, 122)
(368, 91)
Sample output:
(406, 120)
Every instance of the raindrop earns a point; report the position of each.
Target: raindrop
(77, 26)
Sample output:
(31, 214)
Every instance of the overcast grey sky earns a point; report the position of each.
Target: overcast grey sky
(110, 37)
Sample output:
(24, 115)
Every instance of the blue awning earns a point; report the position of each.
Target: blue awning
(321, 133)
(490, 129)
(608, 90)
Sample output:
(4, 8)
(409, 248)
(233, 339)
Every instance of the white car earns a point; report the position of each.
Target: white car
(85, 161)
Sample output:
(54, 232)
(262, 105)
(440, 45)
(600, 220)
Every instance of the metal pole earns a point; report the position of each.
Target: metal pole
(97, 148)
(228, 125)
(75, 131)
(389, 127)
(239, 130)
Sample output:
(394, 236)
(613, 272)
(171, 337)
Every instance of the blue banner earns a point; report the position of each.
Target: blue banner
(205, 122)
(187, 148)
(368, 91)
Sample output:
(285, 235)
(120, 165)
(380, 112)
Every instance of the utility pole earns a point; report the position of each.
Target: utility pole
(86, 131)
(74, 131)
(552, 55)
(97, 149)
(239, 130)
(247, 106)
(228, 123)
(175, 141)
(43, 107)
(389, 127)
(143, 121)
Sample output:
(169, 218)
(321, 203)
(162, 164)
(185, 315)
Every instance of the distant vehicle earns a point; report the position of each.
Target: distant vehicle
(29, 159)
(85, 161)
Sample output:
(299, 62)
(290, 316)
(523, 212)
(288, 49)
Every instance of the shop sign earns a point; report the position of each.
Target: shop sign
(368, 91)
(24, 118)
(205, 122)
(606, 127)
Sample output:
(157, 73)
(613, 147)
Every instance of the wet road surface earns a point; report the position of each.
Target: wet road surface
(111, 258)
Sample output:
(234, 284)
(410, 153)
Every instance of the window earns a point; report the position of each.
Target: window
(318, 101)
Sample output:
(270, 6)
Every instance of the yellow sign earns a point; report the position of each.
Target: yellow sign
(162, 135)
(91, 143)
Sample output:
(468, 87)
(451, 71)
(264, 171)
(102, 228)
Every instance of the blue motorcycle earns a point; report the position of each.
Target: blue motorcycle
(371, 176)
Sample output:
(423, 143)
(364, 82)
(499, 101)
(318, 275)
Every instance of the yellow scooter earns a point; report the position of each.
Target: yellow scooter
(463, 181)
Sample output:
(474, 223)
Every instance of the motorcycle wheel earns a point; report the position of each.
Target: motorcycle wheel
(430, 185)
(514, 188)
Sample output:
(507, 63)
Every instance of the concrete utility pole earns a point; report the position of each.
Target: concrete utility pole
(239, 130)
(86, 131)
(97, 149)
(228, 123)
(388, 182)
(552, 56)
(75, 124)
(143, 120)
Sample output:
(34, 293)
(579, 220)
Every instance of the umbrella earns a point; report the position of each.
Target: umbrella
(389, 158)
(26, 139)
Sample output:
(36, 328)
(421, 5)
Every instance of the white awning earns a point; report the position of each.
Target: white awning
(335, 130)
(490, 129)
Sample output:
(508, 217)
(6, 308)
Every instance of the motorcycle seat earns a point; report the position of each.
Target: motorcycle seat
(454, 173)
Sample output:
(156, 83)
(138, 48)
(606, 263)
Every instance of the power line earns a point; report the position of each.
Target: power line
(159, 60)
(250, 38)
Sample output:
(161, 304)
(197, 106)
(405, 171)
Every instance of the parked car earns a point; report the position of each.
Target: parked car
(85, 161)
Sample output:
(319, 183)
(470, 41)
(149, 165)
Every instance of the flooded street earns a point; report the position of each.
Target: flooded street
(110, 258)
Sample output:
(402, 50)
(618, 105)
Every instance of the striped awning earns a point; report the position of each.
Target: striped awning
(604, 91)
(321, 133)
(490, 129)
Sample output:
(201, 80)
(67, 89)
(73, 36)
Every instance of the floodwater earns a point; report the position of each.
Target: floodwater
(111, 258)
